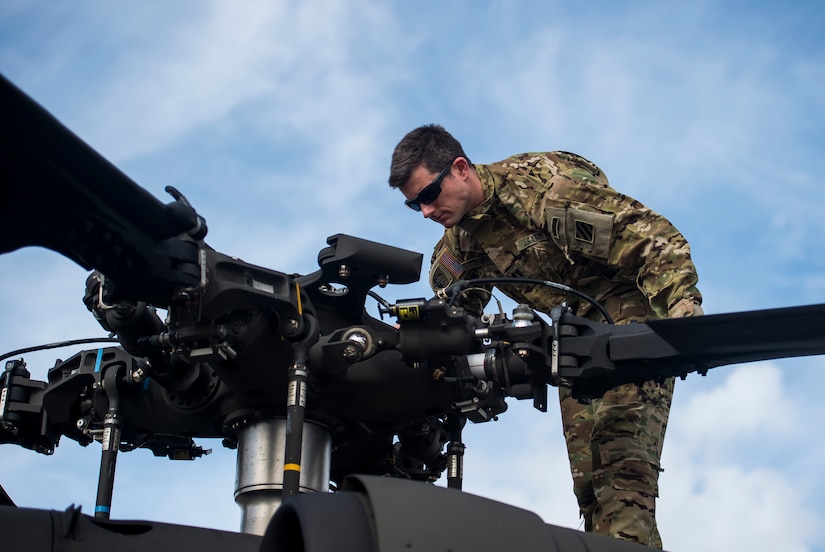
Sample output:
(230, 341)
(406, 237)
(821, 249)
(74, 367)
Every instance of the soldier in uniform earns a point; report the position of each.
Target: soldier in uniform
(553, 216)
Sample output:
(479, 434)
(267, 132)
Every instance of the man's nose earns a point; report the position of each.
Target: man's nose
(427, 210)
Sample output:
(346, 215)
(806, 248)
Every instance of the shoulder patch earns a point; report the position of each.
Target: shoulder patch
(450, 263)
(579, 230)
(445, 269)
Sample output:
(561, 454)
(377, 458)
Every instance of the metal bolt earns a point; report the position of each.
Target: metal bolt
(350, 352)
(138, 375)
(291, 326)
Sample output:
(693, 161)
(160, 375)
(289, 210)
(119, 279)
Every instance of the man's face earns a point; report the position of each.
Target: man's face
(451, 203)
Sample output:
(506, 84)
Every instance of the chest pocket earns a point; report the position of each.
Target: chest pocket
(519, 252)
(578, 230)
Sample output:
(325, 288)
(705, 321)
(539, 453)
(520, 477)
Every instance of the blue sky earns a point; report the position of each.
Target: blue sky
(277, 121)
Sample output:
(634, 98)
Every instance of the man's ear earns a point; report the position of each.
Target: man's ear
(463, 167)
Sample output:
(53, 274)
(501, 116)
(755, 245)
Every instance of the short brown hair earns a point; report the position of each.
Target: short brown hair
(429, 146)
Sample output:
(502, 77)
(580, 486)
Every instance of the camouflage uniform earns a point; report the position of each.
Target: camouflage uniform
(553, 216)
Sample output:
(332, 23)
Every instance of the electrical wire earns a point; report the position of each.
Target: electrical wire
(383, 302)
(59, 344)
(456, 289)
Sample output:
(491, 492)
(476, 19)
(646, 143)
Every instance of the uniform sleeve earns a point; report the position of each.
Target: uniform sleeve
(647, 245)
(453, 260)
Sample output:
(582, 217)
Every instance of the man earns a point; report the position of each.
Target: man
(553, 216)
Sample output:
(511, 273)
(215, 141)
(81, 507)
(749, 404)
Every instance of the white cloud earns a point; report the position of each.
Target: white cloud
(291, 59)
(42, 302)
(750, 403)
(720, 489)
(729, 507)
(678, 106)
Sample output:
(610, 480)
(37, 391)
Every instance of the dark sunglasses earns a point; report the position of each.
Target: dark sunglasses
(431, 191)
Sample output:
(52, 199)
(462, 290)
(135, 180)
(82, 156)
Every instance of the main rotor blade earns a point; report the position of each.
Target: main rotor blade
(59, 193)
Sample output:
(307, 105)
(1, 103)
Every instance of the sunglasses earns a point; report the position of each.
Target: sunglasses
(431, 191)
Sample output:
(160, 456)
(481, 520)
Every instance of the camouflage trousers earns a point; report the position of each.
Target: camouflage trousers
(615, 444)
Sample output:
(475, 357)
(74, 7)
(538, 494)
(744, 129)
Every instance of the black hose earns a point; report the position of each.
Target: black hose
(455, 290)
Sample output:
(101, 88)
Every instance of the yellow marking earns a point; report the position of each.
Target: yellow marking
(292, 467)
(298, 291)
(409, 312)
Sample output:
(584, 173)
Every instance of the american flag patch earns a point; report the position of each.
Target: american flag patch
(448, 261)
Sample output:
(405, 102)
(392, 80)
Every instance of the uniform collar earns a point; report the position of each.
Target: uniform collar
(481, 214)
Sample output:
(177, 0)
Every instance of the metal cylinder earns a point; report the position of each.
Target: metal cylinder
(259, 472)
(476, 363)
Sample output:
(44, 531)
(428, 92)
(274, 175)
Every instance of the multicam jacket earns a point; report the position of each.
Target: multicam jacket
(553, 216)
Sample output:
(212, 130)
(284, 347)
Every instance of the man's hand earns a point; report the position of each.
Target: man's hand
(685, 307)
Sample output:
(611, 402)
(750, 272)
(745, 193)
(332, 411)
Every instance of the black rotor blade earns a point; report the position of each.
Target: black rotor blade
(595, 357)
(720, 339)
(59, 193)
